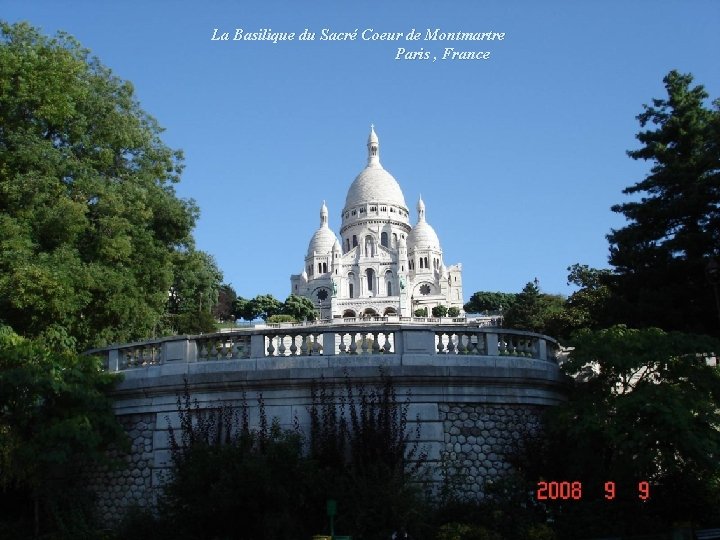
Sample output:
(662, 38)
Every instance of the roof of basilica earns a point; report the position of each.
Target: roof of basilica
(374, 184)
(324, 239)
(422, 235)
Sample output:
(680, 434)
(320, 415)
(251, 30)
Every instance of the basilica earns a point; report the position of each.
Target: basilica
(380, 265)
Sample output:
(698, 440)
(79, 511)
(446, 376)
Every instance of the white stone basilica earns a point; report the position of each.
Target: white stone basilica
(380, 266)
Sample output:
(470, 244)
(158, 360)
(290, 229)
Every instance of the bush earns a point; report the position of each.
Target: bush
(439, 311)
(453, 312)
(281, 318)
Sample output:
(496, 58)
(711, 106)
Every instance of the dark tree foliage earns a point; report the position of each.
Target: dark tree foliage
(193, 294)
(91, 225)
(673, 227)
(643, 408)
(231, 481)
(533, 310)
(224, 310)
(360, 440)
(591, 306)
(55, 423)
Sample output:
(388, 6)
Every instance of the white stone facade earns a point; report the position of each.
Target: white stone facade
(380, 265)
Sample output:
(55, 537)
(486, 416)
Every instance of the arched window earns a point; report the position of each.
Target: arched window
(388, 282)
(370, 279)
(354, 240)
(394, 244)
(384, 239)
(369, 246)
(324, 267)
(347, 244)
(351, 290)
(319, 268)
(421, 262)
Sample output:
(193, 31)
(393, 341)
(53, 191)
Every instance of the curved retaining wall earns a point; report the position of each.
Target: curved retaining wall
(475, 392)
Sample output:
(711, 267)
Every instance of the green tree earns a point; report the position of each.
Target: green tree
(56, 421)
(590, 306)
(453, 312)
(224, 310)
(260, 307)
(533, 310)
(89, 217)
(299, 308)
(673, 226)
(265, 305)
(643, 408)
(194, 292)
(490, 302)
(224, 473)
(242, 309)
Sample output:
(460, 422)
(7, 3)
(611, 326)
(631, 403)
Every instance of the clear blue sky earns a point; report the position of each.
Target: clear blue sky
(518, 157)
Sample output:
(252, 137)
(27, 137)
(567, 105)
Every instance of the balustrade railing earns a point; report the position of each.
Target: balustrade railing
(225, 346)
(139, 355)
(430, 340)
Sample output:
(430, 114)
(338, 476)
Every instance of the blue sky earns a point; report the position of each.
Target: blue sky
(518, 157)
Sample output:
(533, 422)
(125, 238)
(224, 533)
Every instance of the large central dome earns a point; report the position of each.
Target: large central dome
(374, 184)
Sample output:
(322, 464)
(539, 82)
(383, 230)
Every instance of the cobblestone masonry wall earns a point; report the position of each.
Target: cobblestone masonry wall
(130, 484)
(479, 439)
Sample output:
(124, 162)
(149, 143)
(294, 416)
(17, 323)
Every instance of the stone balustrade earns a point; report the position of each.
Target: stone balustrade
(347, 339)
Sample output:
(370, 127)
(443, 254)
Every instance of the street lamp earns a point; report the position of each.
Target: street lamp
(712, 273)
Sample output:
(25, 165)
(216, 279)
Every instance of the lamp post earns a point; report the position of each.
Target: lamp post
(712, 273)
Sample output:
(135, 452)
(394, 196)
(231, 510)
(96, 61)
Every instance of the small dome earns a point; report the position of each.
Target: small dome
(322, 242)
(324, 239)
(423, 236)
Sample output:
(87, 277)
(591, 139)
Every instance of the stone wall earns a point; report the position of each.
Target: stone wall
(470, 411)
(128, 483)
(479, 439)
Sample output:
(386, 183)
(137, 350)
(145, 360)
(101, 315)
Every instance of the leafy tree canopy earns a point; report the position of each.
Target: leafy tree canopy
(673, 228)
(224, 310)
(91, 225)
(299, 308)
(55, 422)
(643, 408)
(265, 306)
(533, 310)
(194, 292)
(489, 302)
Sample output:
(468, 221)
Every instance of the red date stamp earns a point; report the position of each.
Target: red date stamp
(566, 491)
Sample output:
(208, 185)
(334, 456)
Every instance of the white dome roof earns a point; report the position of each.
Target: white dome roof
(322, 242)
(423, 236)
(375, 184)
(324, 239)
